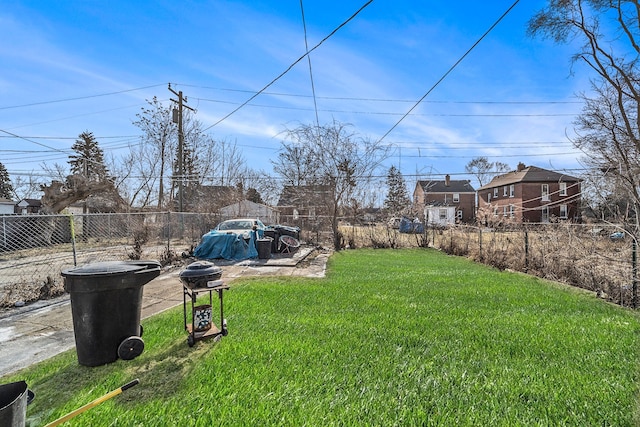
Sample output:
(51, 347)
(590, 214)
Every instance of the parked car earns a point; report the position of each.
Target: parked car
(242, 226)
(618, 235)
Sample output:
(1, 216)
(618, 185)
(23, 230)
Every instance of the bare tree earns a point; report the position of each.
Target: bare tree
(218, 162)
(484, 170)
(295, 163)
(330, 155)
(27, 186)
(609, 127)
(155, 156)
(614, 161)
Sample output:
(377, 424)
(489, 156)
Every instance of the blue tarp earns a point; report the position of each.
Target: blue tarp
(409, 226)
(216, 244)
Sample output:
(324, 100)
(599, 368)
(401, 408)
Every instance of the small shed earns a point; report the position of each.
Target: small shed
(440, 215)
(7, 207)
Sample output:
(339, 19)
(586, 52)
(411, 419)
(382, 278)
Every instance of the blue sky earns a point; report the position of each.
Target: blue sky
(71, 66)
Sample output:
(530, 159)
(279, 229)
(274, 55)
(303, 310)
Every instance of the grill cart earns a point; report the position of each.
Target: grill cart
(198, 278)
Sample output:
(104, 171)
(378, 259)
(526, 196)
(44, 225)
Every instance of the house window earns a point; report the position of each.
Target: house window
(459, 214)
(563, 188)
(495, 211)
(505, 210)
(456, 197)
(512, 211)
(488, 197)
(545, 192)
(443, 214)
(296, 214)
(563, 211)
(545, 214)
(504, 191)
(495, 192)
(512, 190)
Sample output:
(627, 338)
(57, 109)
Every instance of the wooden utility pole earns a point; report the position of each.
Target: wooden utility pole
(180, 101)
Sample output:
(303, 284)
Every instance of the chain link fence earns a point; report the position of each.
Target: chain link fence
(34, 249)
(601, 258)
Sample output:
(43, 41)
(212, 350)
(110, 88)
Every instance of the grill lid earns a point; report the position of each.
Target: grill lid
(200, 269)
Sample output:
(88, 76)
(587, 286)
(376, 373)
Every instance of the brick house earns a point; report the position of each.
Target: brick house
(443, 197)
(529, 194)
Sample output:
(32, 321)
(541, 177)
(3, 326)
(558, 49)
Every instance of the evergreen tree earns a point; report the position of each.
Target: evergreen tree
(6, 189)
(397, 200)
(89, 160)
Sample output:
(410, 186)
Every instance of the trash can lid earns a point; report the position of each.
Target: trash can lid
(200, 268)
(108, 268)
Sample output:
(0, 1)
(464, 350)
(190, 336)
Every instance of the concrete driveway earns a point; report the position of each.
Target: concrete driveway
(41, 330)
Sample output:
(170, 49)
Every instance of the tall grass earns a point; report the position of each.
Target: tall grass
(389, 337)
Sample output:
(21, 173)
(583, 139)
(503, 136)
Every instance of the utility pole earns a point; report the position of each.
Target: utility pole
(177, 118)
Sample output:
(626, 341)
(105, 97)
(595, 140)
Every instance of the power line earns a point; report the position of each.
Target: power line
(449, 70)
(342, 98)
(306, 46)
(383, 113)
(78, 98)
(32, 141)
(291, 66)
(71, 137)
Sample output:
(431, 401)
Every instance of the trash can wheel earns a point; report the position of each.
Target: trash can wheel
(191, 340)
(130, 348)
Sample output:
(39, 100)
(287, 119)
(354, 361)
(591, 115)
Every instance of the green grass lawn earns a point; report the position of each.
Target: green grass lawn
(389, 337)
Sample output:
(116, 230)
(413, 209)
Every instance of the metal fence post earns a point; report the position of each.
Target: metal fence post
(526, 251)
(168, 232)
(73, 239)
(634, 272)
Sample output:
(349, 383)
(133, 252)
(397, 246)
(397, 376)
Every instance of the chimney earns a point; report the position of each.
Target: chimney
(447, 180)
(521, 167)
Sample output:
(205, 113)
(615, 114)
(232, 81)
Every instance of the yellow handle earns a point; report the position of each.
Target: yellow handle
(93, 403)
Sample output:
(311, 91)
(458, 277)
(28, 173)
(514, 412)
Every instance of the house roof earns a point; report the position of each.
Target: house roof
(528, 174)
(30, 202)
(224, 192)
(455, 186)
(439, 204)
(304, 195)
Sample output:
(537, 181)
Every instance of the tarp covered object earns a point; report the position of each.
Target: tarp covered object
(409, 226)
(216, 244)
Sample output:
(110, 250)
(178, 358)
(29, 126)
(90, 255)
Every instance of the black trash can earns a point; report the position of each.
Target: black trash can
(13, 404)
(264, 248)
(272, 234)
(106, 300)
